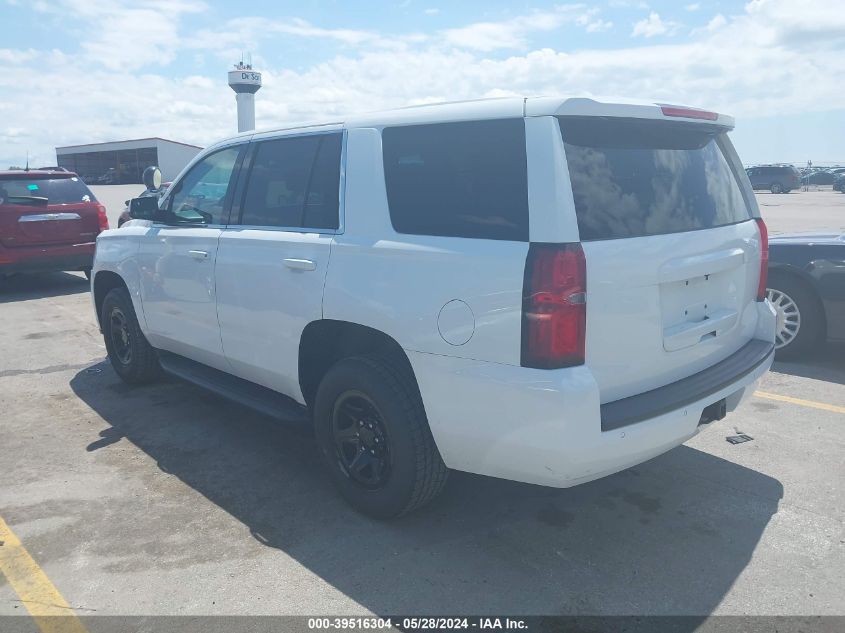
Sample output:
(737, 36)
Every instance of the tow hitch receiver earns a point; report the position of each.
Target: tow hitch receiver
(713, 412)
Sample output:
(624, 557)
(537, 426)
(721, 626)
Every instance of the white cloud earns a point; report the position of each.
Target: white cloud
(246, 33)
(432, 11)
(10, 56)
(124, 34)
(717, 22)
(513, 33)
(799, 24)
(654, 25)
(597, 26)
(693, 7)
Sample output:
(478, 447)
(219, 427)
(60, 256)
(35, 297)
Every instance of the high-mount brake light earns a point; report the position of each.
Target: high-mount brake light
(689, 113)
(554, 306)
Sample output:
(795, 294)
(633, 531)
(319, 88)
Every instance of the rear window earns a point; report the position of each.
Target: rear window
(458, 179)
(634, 177)
(55, 190)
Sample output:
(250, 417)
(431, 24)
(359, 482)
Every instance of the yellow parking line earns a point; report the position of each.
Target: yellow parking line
(803, 403)
(41, 599)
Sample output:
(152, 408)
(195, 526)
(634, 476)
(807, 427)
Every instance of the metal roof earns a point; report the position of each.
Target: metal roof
(129, 140)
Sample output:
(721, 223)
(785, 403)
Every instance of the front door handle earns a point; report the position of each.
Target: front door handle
(198, 254)
(300, 264)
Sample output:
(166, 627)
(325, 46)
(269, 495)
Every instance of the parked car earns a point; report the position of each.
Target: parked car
(807, 289)
(775, 178)
(49, 220)
(391, 281)
(819, 178)
(839, 183)
(153, 188)
(110, 177)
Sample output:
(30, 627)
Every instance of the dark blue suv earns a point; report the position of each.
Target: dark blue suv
(775, 178)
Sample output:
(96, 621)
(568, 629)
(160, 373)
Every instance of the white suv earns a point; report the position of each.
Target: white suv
(544, 290)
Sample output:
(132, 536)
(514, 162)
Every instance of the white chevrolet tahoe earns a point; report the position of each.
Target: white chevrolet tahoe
(544, 290)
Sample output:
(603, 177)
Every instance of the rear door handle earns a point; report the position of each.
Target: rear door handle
(198, 254)
(300, 264)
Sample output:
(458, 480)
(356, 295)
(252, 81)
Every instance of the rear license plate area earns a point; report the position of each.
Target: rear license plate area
(713, 412)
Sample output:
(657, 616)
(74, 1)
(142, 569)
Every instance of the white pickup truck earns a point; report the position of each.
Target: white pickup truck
(547, 290)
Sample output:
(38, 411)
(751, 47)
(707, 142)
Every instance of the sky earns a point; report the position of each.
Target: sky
(84, 71)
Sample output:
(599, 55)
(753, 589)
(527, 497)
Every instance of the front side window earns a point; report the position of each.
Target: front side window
(201, 196)
(639, 177)
(294, 183)
(465, 179)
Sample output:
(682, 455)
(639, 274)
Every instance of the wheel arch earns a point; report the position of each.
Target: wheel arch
(806, 280)
(104, 282)
(326, 341)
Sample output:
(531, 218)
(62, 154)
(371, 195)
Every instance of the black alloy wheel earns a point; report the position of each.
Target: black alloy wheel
(131, 356)
(121, 337)
(374, 437)
(362, 448)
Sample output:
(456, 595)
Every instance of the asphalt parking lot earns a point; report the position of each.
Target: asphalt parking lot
(166, 500)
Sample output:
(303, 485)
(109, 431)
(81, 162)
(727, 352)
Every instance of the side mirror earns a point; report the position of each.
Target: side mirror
(152, 178)
(143, 208)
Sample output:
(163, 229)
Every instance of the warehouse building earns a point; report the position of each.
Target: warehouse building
(123, 162)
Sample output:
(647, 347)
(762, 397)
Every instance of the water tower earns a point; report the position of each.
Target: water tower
(245, 82)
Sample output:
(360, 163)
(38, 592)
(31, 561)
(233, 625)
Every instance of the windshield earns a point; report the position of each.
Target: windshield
(41, 190)
(638, 177)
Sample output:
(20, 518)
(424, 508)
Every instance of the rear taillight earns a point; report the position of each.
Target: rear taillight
(764, 259)
(102, 217)
(554, 310)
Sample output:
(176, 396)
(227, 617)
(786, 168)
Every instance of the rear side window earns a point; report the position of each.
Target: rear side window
(294, 182)
(322, 199)
(458, 179)
(634, 177)
(55, 190)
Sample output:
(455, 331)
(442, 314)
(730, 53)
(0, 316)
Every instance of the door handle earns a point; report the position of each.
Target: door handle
(198, 254)
(300, 264)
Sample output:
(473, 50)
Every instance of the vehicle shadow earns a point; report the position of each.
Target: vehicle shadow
(826, 363)
(39, 285)
(668, 537)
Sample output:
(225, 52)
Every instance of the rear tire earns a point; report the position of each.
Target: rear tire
(776, 188)
(131, 356)
(799, 317)
(373, 434)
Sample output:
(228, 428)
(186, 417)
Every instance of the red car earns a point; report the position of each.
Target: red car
(49, 220)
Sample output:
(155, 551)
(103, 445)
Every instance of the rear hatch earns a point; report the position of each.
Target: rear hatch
(793, 179)
(47, 211)
(672, 251)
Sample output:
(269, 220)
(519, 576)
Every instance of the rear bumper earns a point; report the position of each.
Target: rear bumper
(545, 427)
(651, 404)
(46, 258)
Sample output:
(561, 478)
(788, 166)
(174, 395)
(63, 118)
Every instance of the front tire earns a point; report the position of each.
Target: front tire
(776, 188)
(799, 319)
(373, 434)
(131, 356)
